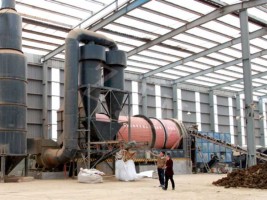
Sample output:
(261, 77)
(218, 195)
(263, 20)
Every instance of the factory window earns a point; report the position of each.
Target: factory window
(179, 104)
(216, 126)
(231, 120)
(158, 101)
(135, 99)
(198, 114)
(55, 101)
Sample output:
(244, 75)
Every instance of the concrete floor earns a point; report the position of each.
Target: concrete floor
(187, 187)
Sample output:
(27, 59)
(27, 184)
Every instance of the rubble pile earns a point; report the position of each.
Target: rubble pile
(253, 177)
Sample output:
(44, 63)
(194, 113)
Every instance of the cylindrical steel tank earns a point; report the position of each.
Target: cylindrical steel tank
(91, 64)
(114, 78)
(13, 82)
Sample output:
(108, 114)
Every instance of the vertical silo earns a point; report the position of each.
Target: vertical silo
(13, 82)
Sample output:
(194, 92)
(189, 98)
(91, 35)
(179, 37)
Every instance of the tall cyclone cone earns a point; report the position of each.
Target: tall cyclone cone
(91, 61)
(13, 82)
(114, 78)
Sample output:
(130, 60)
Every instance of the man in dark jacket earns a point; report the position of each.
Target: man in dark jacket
(169, 172)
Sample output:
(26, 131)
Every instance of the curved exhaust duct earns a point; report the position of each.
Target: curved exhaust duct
(54, 157)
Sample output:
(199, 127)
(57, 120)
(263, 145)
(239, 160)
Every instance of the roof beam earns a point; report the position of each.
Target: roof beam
(222, 66)
(255, 88)
(259, 75)
(209, 17)
(94, 27)
(253, 35)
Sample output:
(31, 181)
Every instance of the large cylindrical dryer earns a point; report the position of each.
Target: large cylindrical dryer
(13, 82)
(173, 133)
(142, 130)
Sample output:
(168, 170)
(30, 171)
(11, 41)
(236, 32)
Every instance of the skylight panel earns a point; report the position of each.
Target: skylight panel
(166, 76)
(209, 35)
(259, 80)
(254, 84)
(259, 61)
(198, 65)
(176, 72)
(209, 61)
(231, 1)
(252, 49)
(183, 46)
(262, 91)
(149, 60)
(232, 74)
(235, 68)
(200, 82)
(132, 69)
(142, 25)
(226, 30)
(258, 93)
(259, 42)
(220, 57)
(230, 19)
(257, 13)
(232, 52)
(238, 86)
(232, 89)
(258, 68)
(42, 38)
(194, 5)
(122, 39)
(125, 47)
(170, 51)
(212, 80)
(187, 69)
(156, 18)
(158, 55)
(170, 10)
(219, 76)
(34, 51)
(141, 65)
(194, 40)
(38, 45)
(129, 31)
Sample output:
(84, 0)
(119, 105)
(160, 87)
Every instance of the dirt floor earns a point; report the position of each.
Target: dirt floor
(187, 187)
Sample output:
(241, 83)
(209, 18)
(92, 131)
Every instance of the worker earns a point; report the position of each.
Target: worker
(161, 163)
(169, 172)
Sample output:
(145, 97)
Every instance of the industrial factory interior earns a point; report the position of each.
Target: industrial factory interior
(111, 99)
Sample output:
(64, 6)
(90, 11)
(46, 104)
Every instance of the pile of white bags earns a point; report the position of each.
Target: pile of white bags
(90, 176)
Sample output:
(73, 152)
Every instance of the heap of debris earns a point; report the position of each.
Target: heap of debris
(253, 177)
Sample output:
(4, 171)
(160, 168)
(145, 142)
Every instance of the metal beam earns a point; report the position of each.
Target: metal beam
(209, 17)
(249, 104)
(255, 88)
(94, 27)
(259, 75)
(253, 35)
(222, 66)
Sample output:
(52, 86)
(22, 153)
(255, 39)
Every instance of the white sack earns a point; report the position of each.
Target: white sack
(90, 176)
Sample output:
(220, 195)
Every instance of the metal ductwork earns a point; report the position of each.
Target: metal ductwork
(13, 105)
(88, 60)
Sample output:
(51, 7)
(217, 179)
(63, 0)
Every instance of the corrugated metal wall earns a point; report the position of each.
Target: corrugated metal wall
(190, 113)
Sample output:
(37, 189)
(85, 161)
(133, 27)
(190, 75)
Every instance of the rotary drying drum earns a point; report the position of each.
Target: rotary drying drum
(13, 82)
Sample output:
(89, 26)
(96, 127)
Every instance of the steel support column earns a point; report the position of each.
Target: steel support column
(249, 104)
(144, 97)
(2, 170)
(46, 134)
(262, 121)
(238, 120)
(212, 111)
(175, 101)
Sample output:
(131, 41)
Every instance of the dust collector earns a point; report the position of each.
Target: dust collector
(13, 106)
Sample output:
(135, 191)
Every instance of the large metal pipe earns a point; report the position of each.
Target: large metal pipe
(54, 157)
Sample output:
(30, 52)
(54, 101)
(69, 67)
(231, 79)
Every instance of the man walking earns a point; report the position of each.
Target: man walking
(161, 163)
